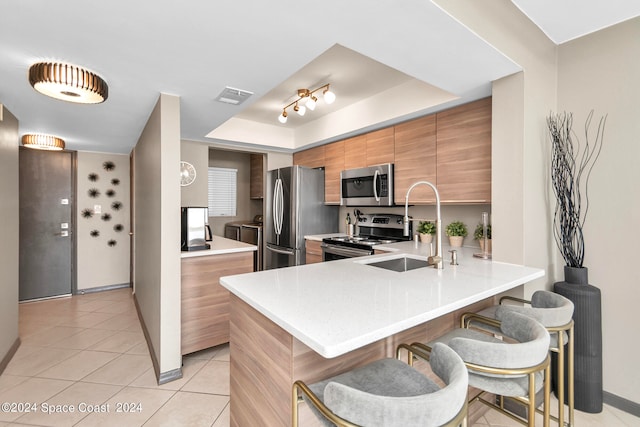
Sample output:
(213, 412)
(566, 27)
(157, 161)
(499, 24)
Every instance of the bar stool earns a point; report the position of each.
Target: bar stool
(516, 370)
(390, 393)
(555, 313)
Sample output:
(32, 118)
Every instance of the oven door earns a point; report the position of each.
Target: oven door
(334, 252)
(371, 186)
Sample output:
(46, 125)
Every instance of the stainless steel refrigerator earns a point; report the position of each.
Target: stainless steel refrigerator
(295, 208)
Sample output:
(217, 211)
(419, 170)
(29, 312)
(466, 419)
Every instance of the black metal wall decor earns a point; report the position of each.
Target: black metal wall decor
(95, 193)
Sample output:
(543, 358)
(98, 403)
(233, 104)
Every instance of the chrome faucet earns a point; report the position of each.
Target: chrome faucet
(436, 260)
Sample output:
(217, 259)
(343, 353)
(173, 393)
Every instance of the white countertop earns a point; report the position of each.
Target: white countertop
(221, 245)
(338, 306)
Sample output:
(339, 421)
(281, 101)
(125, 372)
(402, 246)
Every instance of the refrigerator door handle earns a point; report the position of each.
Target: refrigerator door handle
(277, 207)
(376, 174)
(281, 251)
(280, 206)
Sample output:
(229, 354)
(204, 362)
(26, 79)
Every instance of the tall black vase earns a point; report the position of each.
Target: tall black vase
(587, 316)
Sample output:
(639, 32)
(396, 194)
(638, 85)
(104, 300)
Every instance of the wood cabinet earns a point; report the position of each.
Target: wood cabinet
(464, 153)
(380, 146)
(333, 165)
(313, 251)
(355, 152)
(256, 185)
(451, 149)
(312, 158)
(204, 302)
(415, 159)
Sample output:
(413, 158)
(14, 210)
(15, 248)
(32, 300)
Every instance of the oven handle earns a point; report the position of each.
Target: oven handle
(348, 252)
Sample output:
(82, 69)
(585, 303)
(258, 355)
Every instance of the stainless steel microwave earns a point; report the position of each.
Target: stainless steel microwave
(370, 186)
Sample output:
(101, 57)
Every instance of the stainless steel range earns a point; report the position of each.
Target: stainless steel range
(374, 229)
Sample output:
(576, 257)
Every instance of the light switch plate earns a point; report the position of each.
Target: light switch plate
(64, 201)
(97, 209)
(64, 225)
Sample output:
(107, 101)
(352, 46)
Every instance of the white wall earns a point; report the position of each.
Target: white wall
(157, 232)
(99, 263)
(9, 220)
(601, 72)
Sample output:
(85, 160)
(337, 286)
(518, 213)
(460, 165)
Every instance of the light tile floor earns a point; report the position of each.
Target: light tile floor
(88, 353)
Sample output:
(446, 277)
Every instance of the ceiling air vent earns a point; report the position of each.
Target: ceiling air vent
(231, 95)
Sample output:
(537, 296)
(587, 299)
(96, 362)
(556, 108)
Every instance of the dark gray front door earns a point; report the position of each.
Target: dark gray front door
(46, 228)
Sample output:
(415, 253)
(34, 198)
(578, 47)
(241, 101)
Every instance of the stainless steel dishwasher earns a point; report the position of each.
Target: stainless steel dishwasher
(252, 233)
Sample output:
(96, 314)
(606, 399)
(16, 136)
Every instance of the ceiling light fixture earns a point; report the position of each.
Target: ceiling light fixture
(42, 142)
(68, 83)
(310, 101)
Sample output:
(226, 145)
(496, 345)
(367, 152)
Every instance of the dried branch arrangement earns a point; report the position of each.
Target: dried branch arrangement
(571, 167)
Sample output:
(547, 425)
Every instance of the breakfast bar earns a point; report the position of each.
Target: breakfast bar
(310, 322)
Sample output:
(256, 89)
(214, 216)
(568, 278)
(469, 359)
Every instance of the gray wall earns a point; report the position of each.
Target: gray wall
(245, 210)
(197, 154)
(9, 221)
(157, 231)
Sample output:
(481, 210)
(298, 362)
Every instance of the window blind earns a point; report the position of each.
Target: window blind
(222, 191)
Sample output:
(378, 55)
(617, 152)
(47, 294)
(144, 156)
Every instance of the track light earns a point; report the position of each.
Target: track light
(300, 109)
(310, 101)
(329, 96)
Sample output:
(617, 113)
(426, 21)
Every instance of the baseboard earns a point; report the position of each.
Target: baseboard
(621, 403)
(7, 357)
(103, 288)
(161, 377)
(169, 376)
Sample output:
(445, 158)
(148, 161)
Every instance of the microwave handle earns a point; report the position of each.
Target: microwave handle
(375, 185)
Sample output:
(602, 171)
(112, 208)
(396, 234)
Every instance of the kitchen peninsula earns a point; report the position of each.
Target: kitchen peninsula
(204, 303)
(312, 321)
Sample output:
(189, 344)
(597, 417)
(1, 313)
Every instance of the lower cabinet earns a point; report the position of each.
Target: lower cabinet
(205, 303)
(314, 251)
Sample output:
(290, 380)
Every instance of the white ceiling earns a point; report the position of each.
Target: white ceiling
(377, 51)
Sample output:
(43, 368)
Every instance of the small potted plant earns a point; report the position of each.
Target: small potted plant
(477, 234)
(457, 231)
(426, 230)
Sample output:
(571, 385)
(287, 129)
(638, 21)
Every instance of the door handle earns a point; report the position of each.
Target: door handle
(376, 174)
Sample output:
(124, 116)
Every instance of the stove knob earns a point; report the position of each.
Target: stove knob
(363, 219)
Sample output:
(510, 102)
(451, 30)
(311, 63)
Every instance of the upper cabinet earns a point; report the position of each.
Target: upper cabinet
(312, 158)
(355, 152)
(256, 185)
(334, 164)
(451, 149)
(415, 159)
(464, 153)
(380, 146)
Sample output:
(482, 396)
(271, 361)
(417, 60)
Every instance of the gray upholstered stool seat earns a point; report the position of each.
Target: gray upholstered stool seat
(554, 312)
(516, 369)
(389, 393)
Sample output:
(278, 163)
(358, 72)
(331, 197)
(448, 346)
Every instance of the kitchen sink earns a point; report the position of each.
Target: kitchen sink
(400, 264)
